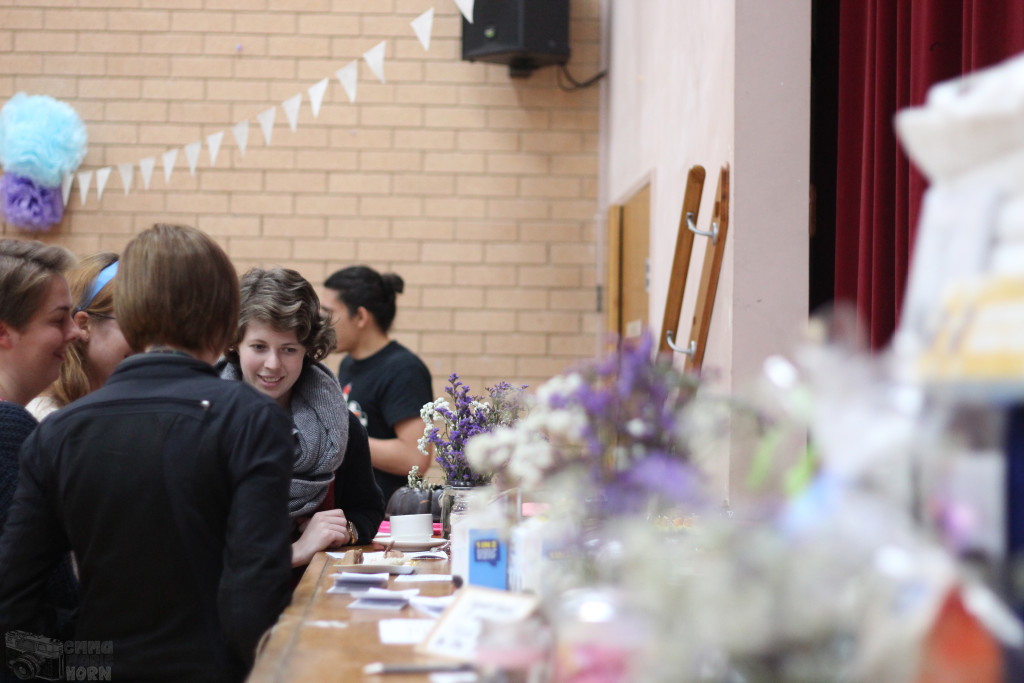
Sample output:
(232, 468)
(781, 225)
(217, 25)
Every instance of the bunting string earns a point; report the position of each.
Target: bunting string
(347, 77)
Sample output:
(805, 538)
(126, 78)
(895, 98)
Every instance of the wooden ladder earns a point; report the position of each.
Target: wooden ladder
(714, 252)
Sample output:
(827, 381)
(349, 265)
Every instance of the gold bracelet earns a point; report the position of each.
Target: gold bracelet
(352, 535)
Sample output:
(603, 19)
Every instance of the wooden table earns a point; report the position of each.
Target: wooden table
(305, 646)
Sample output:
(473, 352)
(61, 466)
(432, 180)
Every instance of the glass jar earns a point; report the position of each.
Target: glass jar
(454, 504)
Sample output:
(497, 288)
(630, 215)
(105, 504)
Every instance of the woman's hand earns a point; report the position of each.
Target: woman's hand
(325, 529)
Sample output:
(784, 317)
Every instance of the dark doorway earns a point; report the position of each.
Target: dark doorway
(824, 136)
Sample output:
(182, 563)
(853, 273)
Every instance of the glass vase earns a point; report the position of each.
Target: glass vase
(454, 504)
(599, 637)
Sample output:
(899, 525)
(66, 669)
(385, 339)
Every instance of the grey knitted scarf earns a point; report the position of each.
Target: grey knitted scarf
(320, 422)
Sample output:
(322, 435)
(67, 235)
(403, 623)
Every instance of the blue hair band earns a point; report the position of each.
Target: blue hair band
(104, 277)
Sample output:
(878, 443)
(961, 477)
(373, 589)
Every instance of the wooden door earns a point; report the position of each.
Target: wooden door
(628, 266)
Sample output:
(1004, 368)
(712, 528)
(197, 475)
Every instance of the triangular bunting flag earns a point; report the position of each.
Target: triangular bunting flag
(241, 132)
(146, 168)
(316, 96)
(102, 175)
(266, 119)
(422, 25)
(65, 187)
(291, 110)
(126, 176)
(213, 145)
(170, 156)
(375, 60)
(348, 75)
(84, 178)
(466, 7)
(192, 151)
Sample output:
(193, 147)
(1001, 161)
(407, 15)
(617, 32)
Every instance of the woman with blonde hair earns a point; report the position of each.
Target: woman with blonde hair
(91, 358)
(282, 336)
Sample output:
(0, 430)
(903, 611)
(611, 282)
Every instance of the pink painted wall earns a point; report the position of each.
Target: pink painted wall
(712, 82)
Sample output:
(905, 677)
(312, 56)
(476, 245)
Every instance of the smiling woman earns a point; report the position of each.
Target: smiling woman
(282, 336)
(271, 360)
(35, 317)
(35, 330)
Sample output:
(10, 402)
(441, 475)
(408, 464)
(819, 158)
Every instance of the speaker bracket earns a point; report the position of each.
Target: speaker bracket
(521, 68)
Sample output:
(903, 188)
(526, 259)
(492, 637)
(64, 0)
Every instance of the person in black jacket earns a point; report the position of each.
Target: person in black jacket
(170, 486)
(282, 336)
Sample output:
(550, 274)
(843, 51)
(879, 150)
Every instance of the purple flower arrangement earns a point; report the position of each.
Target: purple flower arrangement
(613, 426)
(448, 427)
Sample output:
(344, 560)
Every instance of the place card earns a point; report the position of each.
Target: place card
(377, 568)
(351, 582)
(419, 578)
(431, 605)
(382, 599)
(428, 555)
(403, 631)
(456, 633)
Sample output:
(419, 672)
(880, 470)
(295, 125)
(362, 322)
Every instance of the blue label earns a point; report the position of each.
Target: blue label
(488, 559)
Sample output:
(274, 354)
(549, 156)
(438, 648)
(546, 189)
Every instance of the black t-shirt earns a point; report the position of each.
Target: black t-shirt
(390, 386)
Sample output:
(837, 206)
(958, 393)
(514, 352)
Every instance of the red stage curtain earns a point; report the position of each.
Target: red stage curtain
(890, 53)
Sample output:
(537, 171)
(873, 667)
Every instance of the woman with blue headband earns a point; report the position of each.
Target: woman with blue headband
(91, 359)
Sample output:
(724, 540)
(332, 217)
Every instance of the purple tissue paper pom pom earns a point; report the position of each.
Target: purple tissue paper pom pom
(30, 206)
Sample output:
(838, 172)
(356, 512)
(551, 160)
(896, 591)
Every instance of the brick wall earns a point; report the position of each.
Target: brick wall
(480, 190)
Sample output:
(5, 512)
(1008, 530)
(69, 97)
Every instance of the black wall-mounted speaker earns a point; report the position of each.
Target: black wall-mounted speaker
(525, 34)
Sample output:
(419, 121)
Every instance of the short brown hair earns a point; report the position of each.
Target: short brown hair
(285, 300)
(26, 268)
(74, 382)
(175, 286)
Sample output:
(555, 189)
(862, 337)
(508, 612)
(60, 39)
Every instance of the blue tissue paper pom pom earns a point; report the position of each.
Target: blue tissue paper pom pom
(41, 138)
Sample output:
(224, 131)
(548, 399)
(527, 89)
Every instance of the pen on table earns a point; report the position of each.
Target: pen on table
(382, 668)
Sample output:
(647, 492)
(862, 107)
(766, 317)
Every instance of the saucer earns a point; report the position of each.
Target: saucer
(418, 544)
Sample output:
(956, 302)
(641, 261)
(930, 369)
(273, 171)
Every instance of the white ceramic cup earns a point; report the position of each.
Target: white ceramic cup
(412, 527)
